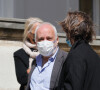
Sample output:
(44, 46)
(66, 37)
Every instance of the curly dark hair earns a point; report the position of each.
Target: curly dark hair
(78, 25)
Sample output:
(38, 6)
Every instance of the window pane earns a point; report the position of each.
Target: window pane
(86, 6)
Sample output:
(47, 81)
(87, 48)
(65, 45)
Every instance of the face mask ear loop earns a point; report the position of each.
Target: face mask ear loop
(54, 46)
(54, 41)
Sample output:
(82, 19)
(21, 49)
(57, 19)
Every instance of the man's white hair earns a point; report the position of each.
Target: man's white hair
(54, 28)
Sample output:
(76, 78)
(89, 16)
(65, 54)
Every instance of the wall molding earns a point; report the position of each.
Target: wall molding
(12, 29)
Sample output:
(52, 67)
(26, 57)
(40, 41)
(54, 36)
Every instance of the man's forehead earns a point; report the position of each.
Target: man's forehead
(45, 27)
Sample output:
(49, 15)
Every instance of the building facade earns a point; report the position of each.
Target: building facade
(50, 10)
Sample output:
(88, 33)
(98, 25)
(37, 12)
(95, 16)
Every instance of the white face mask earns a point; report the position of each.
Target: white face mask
(46, 48)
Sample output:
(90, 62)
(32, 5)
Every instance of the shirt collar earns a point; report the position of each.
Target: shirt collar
(52, 58)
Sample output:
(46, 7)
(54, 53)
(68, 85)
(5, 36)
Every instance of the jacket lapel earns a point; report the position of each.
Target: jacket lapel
(56, 69)
(30, 74)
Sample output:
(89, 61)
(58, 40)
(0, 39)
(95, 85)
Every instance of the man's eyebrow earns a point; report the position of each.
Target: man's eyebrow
(40, 38)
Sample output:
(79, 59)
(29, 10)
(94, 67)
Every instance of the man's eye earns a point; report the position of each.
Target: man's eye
(41, 39)
(49, 38)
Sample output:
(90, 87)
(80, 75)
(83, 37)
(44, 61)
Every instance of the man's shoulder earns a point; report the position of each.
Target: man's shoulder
(62, 51)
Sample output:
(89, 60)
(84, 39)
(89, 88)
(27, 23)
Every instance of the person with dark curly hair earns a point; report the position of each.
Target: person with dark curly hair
(81, 70)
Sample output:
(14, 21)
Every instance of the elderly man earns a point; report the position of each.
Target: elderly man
(46, 68)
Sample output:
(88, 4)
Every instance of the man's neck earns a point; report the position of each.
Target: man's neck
(44, 60)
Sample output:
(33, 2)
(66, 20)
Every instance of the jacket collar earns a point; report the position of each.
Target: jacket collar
(78, 42)
(56, 69)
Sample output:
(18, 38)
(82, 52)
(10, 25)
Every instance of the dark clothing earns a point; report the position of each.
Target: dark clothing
(21, 59)
(22, 87)
(60, 58)
(81, 70)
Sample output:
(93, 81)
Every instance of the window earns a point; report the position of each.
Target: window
(92, 7)
(86, 6)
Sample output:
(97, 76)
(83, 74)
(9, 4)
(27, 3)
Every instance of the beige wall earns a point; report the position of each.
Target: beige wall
(8, 79)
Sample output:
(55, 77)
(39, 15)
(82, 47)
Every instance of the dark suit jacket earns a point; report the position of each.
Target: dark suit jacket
(60, 58)
(81, 70)
(21, 59)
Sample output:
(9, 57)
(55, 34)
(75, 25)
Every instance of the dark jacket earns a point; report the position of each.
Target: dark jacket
(60, 58)
(81, 70)
(21, 59)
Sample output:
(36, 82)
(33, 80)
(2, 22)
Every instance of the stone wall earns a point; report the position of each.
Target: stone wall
(11, 34)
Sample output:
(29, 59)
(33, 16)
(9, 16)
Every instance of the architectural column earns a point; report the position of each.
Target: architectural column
(6, 8)
(96, 15)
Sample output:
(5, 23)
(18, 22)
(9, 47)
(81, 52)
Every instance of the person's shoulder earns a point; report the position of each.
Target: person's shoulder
(19, 52)
(62, 51)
